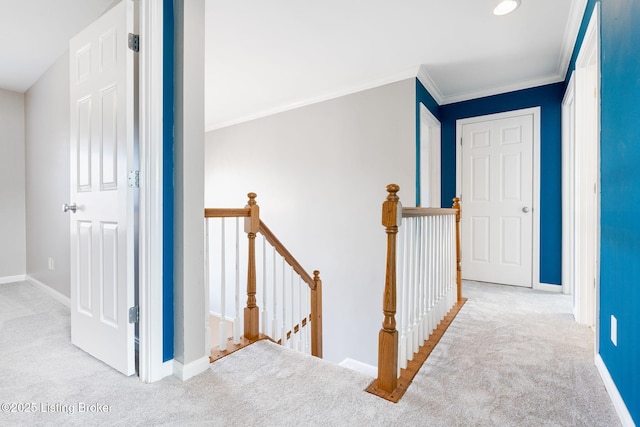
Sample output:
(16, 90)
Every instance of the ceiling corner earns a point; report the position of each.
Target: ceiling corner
(576, 13)
(429, 84)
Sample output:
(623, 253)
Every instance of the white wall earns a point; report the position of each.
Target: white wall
(320, 173)
(47, 176)
(12, 186)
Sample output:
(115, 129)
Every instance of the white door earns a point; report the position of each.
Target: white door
(102, 153)
(497, 200)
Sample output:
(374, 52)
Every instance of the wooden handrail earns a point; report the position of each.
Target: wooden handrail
(273, 240)
(226, 212)
(252, 226)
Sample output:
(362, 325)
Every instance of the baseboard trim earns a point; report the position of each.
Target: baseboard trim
(548, 287)
(12, 279)
(52, 292)
(184, 372)
(167, 368)
(361, 367)
(614, 394)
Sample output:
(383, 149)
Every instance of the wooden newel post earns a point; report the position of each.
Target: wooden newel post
(251, 311)
(388, 336)
(316, 315)
(456, 205)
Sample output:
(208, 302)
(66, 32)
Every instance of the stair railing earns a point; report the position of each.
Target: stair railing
(423, 272)
(291, 299)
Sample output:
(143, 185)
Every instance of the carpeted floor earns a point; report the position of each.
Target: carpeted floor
(512, 357)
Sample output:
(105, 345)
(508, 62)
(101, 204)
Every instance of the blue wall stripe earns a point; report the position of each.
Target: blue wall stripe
(167, 183)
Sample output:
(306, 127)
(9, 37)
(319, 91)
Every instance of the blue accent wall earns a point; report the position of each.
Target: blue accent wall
(620, 196)
(549, 99)
(423, 97)
(167, 184)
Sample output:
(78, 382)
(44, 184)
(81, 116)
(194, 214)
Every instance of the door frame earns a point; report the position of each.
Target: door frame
(568, 190)
(535, 209)
(151, 318)
(588, 173)
(430, 158)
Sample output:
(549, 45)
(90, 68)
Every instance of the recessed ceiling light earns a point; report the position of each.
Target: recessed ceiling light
(506, 6)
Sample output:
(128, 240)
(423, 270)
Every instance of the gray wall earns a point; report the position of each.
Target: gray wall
(189, 303)
(47, 176)
(320, 173)
(12, 187)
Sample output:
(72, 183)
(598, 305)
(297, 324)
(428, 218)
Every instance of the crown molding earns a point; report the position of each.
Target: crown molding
(498, 90)
(425, 78)
(403, 75)
(576, 13)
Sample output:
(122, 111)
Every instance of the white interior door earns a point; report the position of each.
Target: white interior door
(497, 196)
(102, 153)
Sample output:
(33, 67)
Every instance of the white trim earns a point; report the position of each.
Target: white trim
(614, 394)
(568, 189)
(167, 368)
(547, 287)
(430, 158)
(356, 365)
(11, 279)
(425, 78)
(535, 209)
(198, 366)
(571, 34)
(497, 90)
(151, 367)
(52, 292)
(406, 74)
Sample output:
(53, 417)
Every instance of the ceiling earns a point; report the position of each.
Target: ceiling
(268, 56)
(263, 57)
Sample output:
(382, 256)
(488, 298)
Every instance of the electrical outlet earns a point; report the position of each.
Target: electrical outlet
(51, 264)
(614, 330)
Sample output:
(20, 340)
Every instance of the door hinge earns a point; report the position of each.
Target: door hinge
(134, 179)
(134, 314)
(134, 42)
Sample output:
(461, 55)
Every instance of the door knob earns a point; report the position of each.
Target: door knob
(525, 209)
(72, 207)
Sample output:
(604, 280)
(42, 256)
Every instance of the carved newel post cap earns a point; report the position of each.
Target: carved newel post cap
(252, 198)
(316, 275)
(392, 189)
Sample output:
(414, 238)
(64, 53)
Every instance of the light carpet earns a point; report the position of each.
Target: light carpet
(512, 357)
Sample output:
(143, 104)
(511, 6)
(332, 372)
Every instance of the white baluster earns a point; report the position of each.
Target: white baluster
(402, 284)
(236, 318)
(293, 312)
(284, 305)
(222, 328)
(411, 274)
(274, 322)
(415, 339)
(265, 312)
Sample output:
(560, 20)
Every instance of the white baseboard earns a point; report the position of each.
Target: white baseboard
(167, 368)
(361, 367)
(184, 372)
(614, 394)
(52, 292)
(12, 279)
(548, 288)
